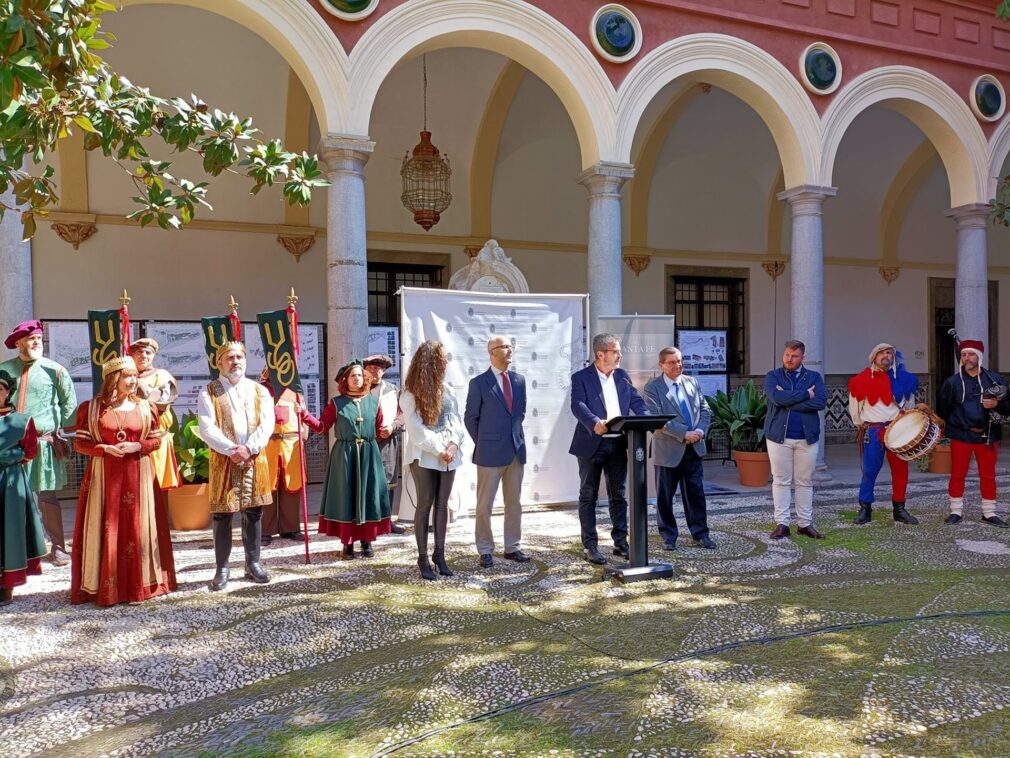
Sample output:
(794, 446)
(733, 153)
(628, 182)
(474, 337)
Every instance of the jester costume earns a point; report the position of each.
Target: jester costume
(876, 396)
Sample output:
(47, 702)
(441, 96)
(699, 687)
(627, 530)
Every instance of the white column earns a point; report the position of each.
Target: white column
(346, 249)
(603, 182)
(16, 303)
(971, 286)
(807, 278)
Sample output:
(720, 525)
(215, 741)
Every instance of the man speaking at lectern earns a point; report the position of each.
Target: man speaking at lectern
(601, 392)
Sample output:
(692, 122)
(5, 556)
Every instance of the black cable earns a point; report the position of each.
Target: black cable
(715, 650)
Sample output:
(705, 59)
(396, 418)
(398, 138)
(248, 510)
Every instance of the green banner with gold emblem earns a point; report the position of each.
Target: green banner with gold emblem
(106, 341)
(216, 331)
(279, 350)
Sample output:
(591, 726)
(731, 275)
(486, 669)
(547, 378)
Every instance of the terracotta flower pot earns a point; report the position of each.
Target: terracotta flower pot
(939, 460)
(752, 468)
(189, 506)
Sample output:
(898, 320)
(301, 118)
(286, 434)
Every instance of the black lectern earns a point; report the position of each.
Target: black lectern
(634, 429)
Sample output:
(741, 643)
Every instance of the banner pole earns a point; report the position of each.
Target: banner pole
(305, 501)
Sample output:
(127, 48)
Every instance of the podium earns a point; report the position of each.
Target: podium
(634, 429)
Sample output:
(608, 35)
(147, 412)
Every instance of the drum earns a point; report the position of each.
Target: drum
(912, 434)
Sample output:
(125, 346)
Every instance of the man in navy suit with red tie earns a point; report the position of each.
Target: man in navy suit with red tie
(601, 392)
(495, 409)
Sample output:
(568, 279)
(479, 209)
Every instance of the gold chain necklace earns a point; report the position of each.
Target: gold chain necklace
(121, 423)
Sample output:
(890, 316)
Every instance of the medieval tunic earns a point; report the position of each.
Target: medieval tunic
(122, 549)
(283, 515)
(231, 415)
(21, 540)
(355, 495)
(44, 392)
(160, 387)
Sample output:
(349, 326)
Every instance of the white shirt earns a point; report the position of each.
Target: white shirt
(497, 375)
(242, 399)
(425, 444)
(610, 399)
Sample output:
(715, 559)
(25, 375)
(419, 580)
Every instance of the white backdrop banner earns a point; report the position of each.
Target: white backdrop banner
(548, 333)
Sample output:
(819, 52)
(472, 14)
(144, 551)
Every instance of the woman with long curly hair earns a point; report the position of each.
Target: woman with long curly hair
(434, 434)
(122, 548)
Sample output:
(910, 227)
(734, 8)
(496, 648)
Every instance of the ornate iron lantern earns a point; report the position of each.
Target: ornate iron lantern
(425, 174)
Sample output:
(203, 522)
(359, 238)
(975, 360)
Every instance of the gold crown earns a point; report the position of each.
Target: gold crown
(118, 364)
(227, 347)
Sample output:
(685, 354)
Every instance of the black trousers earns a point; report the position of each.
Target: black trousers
(433, 488)
(251, 534)
(689, 475)
(611, 461)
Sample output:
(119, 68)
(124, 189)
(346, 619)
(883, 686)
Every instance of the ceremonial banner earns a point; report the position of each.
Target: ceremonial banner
(216, 331)
(105, 338)
(279, 351)
(548, 333)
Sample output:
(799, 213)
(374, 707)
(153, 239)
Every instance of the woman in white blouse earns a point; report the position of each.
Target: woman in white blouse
(434, 434)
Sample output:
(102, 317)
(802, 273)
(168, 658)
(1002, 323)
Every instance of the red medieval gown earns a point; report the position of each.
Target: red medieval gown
(122, 549)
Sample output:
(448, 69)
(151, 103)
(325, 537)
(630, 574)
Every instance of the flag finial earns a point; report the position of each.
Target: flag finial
(125, 299)
(232, 305)
(292, 298)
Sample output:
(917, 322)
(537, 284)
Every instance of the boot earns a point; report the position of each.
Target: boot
(901, 515)
(366, 549)
(348, 552)
(6, 595)
(254, 573)
(425, 567)
(220, 580)
(438, 558)
(865, 513)
(395, 528)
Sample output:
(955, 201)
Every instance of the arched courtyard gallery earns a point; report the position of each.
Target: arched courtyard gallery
(810, 170)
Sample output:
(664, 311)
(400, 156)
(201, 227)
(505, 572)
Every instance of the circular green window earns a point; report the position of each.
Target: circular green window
(350, 10)
(988, 99)
(616, 33)
(820, 69)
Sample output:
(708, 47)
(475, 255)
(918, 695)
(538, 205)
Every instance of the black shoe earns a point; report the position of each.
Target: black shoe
(780, 531)
(265, 540)
(220, 580)
(296, 536)
(254, 573)
(594, 556)
(705, 542)
(425, 567)
(438, 558)
(865, 513)
(348, 552)
(395, 528)
(901, 515)
(995, 521)
(954, 518)
(670, 546)
(366, 549)
(518, 556)
(485, 560)
(622, 551)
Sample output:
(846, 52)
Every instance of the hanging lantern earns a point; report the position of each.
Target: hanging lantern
(425, 174)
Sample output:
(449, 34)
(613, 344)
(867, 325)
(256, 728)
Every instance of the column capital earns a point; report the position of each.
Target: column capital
(606, 177)
(807, 199)
(345, 153)
(970, 216)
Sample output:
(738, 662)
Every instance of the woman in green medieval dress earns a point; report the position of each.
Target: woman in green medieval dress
(355, 495)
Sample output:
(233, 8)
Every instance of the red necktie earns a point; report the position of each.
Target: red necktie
(506, 389)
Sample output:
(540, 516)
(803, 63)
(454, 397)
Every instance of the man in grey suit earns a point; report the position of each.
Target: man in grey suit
(678, 448)
(495, 409)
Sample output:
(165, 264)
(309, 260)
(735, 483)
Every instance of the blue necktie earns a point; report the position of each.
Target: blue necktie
(678, 392)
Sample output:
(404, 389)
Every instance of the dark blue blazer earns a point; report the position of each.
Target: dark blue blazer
(496, 433)
(588, 406)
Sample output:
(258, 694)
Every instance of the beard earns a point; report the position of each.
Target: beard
(234, 376)
(33, 353)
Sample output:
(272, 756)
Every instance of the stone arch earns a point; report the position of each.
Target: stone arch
(299, 35)
(931, 105)
(904, 187)
(519, 31)
(999, 149)
(742, 69)
(485, 149)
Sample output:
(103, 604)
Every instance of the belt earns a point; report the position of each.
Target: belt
(285, 436)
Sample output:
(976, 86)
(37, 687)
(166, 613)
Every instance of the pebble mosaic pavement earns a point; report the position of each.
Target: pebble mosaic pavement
(880, 640)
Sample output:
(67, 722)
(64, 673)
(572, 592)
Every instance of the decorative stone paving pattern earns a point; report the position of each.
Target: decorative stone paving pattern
(944, 641)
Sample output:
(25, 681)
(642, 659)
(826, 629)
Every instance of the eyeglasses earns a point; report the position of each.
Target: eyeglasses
(501, 347)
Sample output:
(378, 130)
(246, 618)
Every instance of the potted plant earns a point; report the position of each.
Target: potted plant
(741, 417)
(939, 458)
(189, 504)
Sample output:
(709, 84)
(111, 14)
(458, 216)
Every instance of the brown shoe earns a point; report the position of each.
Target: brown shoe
(780, 531)
(809, 531)
(58, 556)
